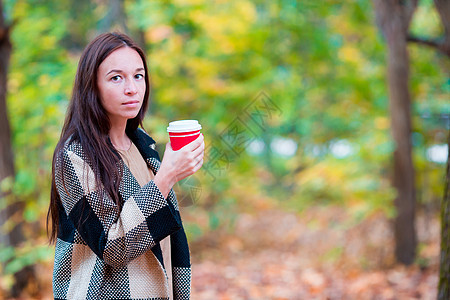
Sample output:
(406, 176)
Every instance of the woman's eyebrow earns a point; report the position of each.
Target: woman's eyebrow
(114, 71)
(120, 71)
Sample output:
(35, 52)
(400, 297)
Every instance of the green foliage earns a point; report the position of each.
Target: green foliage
(17, 259)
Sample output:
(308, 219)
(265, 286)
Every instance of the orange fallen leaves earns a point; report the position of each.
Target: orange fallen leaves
(257, 261)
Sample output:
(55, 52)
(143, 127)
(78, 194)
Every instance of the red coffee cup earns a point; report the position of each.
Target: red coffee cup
(183, 132)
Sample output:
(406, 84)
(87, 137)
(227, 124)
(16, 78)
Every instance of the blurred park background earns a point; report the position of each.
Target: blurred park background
(295, 199)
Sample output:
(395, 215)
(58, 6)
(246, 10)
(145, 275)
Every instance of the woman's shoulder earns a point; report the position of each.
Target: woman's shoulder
(66, 151)
(72, 145)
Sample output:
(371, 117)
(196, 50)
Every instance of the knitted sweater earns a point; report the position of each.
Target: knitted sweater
(102, 254)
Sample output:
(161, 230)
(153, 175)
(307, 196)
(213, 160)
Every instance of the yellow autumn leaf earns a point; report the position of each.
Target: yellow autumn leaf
(381, 123)
(350, 54)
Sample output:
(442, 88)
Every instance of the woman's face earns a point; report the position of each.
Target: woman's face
(121, 83)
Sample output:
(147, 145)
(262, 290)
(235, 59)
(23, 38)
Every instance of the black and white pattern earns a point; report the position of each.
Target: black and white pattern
(103, 254)
(181, 282)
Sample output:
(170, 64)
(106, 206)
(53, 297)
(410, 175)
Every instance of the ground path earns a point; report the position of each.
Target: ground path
(317, 255)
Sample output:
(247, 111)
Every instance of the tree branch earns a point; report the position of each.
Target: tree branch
(440, 46)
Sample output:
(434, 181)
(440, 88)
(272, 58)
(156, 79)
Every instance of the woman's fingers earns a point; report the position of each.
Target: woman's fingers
(194, 144)
(169, 145)
(196, 159)
(199, 165)
(199, 150)
(188, 160)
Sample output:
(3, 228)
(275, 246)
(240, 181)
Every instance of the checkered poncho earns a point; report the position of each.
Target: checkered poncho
(116, 256)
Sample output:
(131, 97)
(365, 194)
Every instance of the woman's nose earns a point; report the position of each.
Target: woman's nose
(130, 87)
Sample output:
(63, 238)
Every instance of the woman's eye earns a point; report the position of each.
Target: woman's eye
(139, 76)
(115, 78)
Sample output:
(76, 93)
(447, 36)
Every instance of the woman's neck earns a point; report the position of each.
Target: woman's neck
(118, 137)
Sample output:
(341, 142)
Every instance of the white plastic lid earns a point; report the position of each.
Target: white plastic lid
(184, 126)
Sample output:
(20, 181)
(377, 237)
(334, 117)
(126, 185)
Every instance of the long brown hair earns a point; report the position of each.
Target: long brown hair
(87, 122)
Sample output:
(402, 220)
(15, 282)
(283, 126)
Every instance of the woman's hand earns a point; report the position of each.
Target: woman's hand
(177, 165)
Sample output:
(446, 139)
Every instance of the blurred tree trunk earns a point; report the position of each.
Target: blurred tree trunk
(80, 23)
(11, 235)
(443, 8)
(444, 274)
(442, 44)
(115, 19)
(393, 18)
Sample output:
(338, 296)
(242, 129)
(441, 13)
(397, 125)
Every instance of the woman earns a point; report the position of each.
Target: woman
(115, 218)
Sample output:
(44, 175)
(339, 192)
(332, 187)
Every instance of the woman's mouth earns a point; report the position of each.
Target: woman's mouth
(131, 103)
